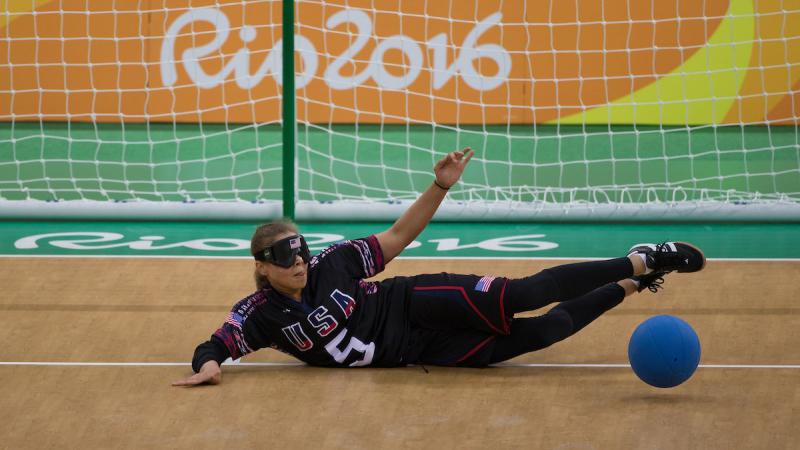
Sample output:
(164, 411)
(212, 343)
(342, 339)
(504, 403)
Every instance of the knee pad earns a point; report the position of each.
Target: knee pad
(557, 326)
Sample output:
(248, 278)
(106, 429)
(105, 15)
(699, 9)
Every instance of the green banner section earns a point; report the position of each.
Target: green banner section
(442, 240)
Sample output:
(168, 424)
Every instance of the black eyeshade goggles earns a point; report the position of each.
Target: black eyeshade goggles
(282, 253)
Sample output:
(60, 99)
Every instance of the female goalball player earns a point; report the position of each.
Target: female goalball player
(321, 310)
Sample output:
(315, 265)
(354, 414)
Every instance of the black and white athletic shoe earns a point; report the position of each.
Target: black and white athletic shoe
(652, 281)
(671, 256)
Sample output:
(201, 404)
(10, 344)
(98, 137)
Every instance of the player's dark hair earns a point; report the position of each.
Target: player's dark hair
(263, 237)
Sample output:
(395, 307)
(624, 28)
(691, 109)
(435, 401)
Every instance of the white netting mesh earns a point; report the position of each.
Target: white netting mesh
(591, 108)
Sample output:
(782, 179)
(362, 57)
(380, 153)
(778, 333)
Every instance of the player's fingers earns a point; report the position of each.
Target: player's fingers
(193, 380)
(469, 154)
(463, 161)
(186, 382)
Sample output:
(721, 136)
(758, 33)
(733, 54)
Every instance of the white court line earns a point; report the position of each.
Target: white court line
(489, 258)
(705, 366)
(287, 364)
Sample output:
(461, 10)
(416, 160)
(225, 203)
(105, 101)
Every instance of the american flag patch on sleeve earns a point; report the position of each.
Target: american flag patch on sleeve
(484, 284)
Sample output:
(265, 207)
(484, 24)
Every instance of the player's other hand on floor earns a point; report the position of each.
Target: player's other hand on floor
(449, 169)
(210, 373)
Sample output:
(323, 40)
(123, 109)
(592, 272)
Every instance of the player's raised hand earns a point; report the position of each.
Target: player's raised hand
(210, 373)
(449, 169)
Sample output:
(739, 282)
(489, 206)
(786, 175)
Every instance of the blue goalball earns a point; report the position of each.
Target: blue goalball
(664, 351)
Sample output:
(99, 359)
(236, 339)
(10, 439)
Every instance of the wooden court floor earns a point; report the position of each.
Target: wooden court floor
(141, 311)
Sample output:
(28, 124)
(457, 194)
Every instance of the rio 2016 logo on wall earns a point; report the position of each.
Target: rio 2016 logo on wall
(511, 61)
(412, 52)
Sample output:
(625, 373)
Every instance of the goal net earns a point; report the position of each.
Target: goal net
(576, 110)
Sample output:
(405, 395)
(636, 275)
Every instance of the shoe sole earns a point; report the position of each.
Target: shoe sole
(690, 246)
(698, 251)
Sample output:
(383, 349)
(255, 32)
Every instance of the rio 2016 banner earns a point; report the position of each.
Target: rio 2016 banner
(509, 61)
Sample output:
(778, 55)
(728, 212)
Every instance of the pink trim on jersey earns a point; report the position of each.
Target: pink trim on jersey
(477, 347)
(506, 324)
(377, 253)
(231, 332)
(466, 297)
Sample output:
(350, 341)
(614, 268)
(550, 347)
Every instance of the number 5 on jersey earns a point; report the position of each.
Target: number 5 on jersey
(355, 344)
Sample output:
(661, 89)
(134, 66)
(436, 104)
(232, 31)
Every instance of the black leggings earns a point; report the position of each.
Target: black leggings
(585, 290)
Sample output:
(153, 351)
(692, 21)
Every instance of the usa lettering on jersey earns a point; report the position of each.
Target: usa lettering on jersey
(347, 303)
(321, 320)
(295, 334)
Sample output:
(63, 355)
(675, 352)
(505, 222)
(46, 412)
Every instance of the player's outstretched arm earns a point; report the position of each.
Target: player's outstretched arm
(210, 373)
(447, 171)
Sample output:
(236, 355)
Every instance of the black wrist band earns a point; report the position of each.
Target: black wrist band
(440, 186)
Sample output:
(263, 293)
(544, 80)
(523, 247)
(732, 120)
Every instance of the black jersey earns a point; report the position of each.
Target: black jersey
(341, 319)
